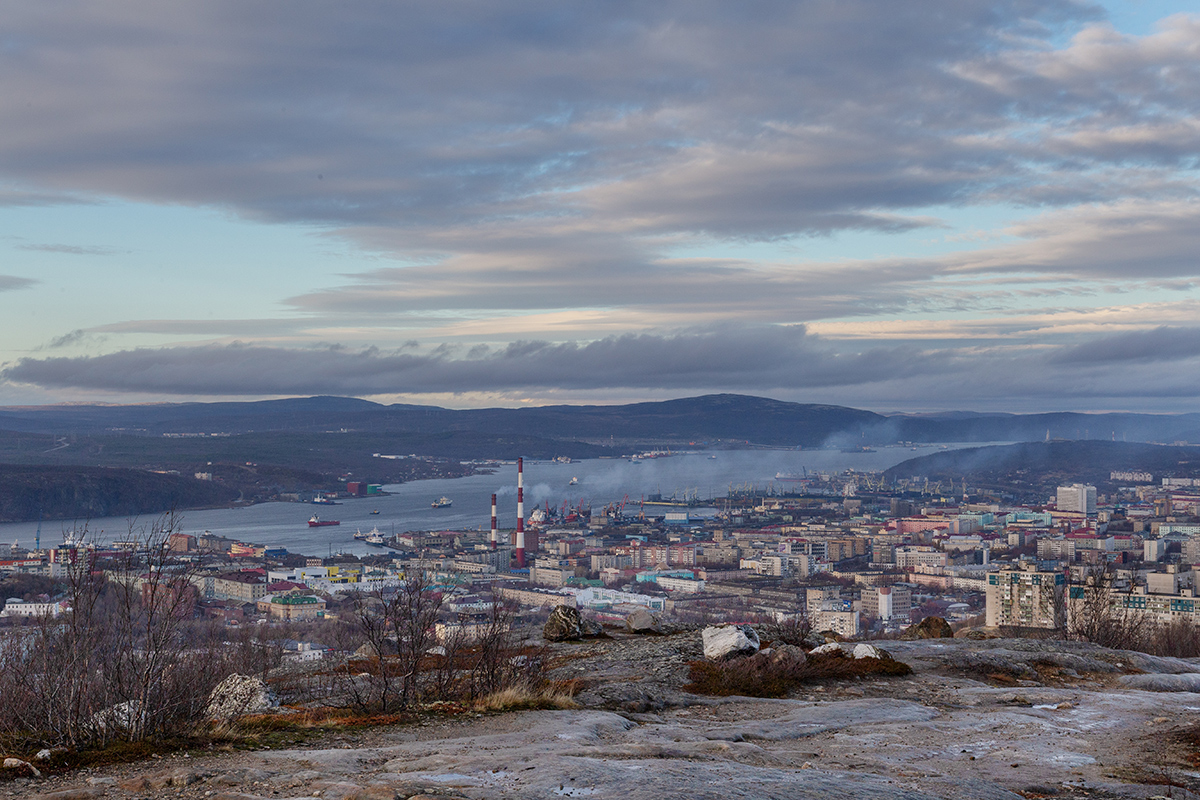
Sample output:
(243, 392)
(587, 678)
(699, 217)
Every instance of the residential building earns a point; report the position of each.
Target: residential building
(16, 607)
(887, 602)
(245, 587)
(1077, 497)
(1026, 598)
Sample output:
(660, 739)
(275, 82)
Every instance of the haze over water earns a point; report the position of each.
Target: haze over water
(407, 506)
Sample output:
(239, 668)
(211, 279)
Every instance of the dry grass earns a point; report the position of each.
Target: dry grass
(762, 676)
(312, 719)
(559, 694)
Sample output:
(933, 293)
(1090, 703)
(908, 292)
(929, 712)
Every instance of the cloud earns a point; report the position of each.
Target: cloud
(9, 283)
(730, 357)
(795, 118)
(533, 171)
(74, 337)
(1164, 343)
(72, 249)
(1103, 372)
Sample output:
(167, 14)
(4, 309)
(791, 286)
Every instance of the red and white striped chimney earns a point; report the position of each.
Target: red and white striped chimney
(521, 513)
(493, 538)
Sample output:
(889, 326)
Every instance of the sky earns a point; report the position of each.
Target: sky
(918, 206)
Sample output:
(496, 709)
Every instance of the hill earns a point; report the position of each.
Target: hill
(1037, 467)
(727, 418)
(81, 493)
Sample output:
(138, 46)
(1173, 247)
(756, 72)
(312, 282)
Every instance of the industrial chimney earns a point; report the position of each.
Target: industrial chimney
(493, 539)
(521, 513)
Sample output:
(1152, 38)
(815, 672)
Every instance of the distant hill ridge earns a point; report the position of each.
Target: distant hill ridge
(727, 417)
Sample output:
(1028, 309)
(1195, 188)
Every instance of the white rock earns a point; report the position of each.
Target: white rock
(43, 754)
(869, 651)
(237, 695)
(121, 717)
(825, 649)
(726, 640)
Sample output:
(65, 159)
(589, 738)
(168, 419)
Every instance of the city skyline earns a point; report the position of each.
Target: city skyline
(984, 205)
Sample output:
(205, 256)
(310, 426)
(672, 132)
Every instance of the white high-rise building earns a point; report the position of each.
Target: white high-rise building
(1077, 497)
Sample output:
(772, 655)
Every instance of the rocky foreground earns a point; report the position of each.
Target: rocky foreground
(976, 719)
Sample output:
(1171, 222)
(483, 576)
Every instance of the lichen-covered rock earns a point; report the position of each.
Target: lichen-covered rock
(832, 648)
(640, 620)
(238, 695)
(865, 650)
(564, 625)
(724, 641)
(929, 628)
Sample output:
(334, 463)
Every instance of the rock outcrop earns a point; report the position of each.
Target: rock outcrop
(238, 695)
(725, 641)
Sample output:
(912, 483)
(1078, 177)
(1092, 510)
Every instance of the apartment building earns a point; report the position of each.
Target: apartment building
(1026, 598)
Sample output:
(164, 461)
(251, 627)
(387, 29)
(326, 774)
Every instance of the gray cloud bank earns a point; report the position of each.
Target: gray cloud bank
(732, 357)
(744, 359)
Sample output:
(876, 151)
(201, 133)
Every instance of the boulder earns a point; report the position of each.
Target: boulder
(865, 650)
(829, 649)
(238, 695)
(725, 641)
(787, 652)
(640, 620)
(813, 640)
(590, 629)
(832, 636)
(121, 717)
(929, 628)
(564, 625)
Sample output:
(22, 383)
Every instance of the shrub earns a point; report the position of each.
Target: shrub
(762, 676)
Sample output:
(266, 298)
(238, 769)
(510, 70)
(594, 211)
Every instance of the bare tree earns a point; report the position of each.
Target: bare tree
(153, 599)
(1099, 613)
(493, 665)
(125, 659)
(398, 626)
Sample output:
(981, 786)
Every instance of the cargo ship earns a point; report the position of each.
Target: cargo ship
(316, 522)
